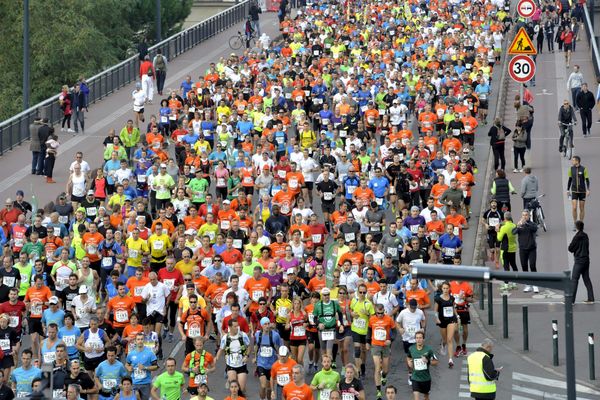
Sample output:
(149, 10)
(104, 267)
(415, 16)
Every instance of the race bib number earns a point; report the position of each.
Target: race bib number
(91, 249)
(133, 253)
(164, 119)
(434, 236)
(225, 224)
(380, 334)
(169, 283)
(121, 316)
(5, 344)
(138, 290)
(158, 245)
(109, 384)
(200, 379)
(8, 281)
(414, 228)
(235, 360)
(299, 331)
(411, 329)
(63, 219)
(392, 251)
(266, 352)
(69, 340)
(107, 262)
(141, 178)
(348, 396)
(248, 179)
(294, 183)
(283, 379)
(257, 294)
(494, 222)
(349, 236)
(449, 252)
(419, 364)
(58, 394)
(281, 173)
(327, 335)
(282, 312)
(237, 243)
(36, 309)
(206, 262)
(360, 323)
(49, 357)
(316, 238)
(56, 230)
(194, 332)
(139, 374)
(221, 182)
(19, 242)
(448, 312)
(327, 196)
(325, 394)
(91, 211)
(379, 200)
(13, 322)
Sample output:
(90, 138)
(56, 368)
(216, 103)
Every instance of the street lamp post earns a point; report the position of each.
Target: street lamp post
(158, 22)
(25, 54)
(549, 280)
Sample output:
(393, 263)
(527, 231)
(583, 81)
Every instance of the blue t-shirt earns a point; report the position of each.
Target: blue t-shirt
(110, 375)
(146, 357)
(378, 186)
(23, 378)
(446, 242)
(57, 317)
(69, 338)
(267, 355)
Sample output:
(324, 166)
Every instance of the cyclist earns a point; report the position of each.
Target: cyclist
(566, 116)
(578, 187)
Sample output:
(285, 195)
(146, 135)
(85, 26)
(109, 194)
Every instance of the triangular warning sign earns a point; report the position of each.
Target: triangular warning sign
(522, 44)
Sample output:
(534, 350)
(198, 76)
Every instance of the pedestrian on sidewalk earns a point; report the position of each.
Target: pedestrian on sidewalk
(160, 66)
(78, 106)
(52, 145)
(526, 231)
(254, 17)
(574, 83)
(498, 133)
(580, 247)
(529, 187)
(482, 373)
(37, 160)
(549, 32)
(65, 102)
(585, 103)
(147, 76)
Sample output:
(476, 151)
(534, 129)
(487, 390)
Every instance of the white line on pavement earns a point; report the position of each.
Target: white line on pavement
(551, 382)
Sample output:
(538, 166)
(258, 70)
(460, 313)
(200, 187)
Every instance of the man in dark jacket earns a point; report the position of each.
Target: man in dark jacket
(527, 230)
(78, 106)
(585, 102)
(482, 374)
(254, 18)
(580, 247)
(37, 162)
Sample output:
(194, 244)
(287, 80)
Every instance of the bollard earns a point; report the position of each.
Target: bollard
(525, 328)
(481, 296)
(490, 304)
(555, 342)
(592, 357)
(505, 316)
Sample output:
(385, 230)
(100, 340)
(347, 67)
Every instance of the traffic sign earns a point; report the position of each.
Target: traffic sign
(522, 44)
(521, 68)
(526, 8)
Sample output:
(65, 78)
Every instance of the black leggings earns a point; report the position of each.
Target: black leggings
(49, 165)
(67, 119)
(519, 152)
(509, 258)
(172, 313)
(499, 158)
(221, 193)
(581, 269)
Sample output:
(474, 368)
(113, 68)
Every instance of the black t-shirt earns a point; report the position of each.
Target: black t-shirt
(8, 338)
(443, 311)
(492, 218)
(328, 190)
(67, 295)
(8, 280)
(6, 393)
(355, 384)
(83, 380)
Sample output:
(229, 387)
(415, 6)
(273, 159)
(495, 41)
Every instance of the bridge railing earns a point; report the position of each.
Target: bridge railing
(589, 30)
(15, 130)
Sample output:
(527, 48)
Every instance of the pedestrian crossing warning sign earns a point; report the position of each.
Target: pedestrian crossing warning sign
(522, 44)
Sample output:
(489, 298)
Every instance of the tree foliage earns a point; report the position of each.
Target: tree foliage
(69, 38)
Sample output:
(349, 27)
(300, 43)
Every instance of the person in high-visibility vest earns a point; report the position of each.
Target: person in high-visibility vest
(482, 372)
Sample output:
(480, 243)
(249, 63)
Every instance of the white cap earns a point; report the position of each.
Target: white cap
(283, 351)
(83, 289)
(190, 232)
(53, 300)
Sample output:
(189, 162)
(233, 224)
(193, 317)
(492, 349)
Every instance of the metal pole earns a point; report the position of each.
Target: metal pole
(592, 357)
(25, 54)
(569, 338)
(158, 22)
(525, 328)
(481, 296)
(490, 304)
(505, 316)
(555, 342)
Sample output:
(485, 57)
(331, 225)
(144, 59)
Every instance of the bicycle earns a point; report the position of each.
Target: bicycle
(537, 212)
(237, 41)
(567, 134)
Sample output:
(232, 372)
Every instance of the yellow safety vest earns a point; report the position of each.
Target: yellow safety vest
(477, 381)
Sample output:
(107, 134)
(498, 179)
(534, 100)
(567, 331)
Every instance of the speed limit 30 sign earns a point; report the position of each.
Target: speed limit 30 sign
(521, 69)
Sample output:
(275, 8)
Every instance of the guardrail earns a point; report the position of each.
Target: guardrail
(589, 30)
(15, 130)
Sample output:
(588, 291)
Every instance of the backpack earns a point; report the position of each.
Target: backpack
(271, 343)
(160, 62)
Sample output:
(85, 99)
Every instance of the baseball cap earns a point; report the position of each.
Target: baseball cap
(264, 321)
(283, 351)
(279, 233)
(163, 165)
(226, 202)
(83, 289)
(90, 193)
(325, 290)
(412, 303)
(20, 193)
(284, 158)
(190, 232)
(53, 300)
(291, 271)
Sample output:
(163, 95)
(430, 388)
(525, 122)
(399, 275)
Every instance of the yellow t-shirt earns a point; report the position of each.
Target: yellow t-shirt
(159, 244)
(135, 249)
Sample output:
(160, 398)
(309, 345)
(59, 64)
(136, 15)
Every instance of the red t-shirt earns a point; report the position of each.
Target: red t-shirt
(242, 322)
(14, 311)
(172, 280)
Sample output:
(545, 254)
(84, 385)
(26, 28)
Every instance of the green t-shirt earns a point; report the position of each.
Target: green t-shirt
(163, 184)
(199, 188)
(420, 368)
(364, 309)
(31, 248)
(170, 385)
(506, 237)
(329, 378)
(249, 269)
(327, 314)
(25, 271)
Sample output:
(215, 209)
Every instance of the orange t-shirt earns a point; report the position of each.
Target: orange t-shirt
(435, 226)
(37, 297)
(436, 192)
(282, 372)
(357, 259)
(195, 322)
(380, 328)
(293, 392)
(208, 360)
(257, 288)
(278, 249)
(285, 200)
(460, 291)
(135, 287)
(465, 182)
(316, 284)
(93, 240)
(193, 222)
(129, 333)
(122, 308)
(420, 295)
(372, 288)
(456, 220)
(371, 116)
(304, 230)
(215, 293)
(366, 194)
(295, 181)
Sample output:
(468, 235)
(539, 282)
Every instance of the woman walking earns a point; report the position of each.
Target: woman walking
(519, 147)
(498, 133)
(52, 145)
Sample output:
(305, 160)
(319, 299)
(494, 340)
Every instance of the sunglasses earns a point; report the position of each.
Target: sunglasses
(193, 302)
(187, 280)
(362, 292)
(343, 292)
(262, 304)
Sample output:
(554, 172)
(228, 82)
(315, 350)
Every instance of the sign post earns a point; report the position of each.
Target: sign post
(521, 69)
(526, 8)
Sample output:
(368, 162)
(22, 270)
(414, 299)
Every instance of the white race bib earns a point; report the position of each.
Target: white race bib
(69, 341)
(8, 281)
(449, 252)
(49, 357)
(109, 384)
(200, 379)
(493, 222)
(419, 364)
(283, 312)
(5, 344)
(360, 323)
(283, 379)
(13, 321)
(121, 316)
(266, 352)
(257, 294)
(107, 262)
(380, 334)
(158, 245)
(299, 331)
(448, 312)
(327, 335)
(316, 238)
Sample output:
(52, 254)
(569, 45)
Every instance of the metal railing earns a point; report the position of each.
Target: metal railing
(15, 130)
(589, 30)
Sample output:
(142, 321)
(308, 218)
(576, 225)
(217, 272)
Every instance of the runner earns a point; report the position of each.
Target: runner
(379, 342)
(198, 364)
(169, 384)
(235, 346)
(140, 362)
(409, 321)
(446, 319)
(326, 379)
(420, 357)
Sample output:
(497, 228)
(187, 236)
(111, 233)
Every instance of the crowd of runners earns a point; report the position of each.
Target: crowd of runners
(266, 214)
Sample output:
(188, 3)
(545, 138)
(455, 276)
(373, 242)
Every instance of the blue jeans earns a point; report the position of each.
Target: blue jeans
(37, 162)
(256, 27)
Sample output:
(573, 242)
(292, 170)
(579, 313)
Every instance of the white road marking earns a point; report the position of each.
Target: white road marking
(538, 380)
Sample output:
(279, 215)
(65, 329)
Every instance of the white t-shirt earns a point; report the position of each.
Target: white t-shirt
(306, 166)
(82, 315)
(411, 322)
(156, 297)
(242, 295)
(85, 167)
(388, 300)
(350, 280)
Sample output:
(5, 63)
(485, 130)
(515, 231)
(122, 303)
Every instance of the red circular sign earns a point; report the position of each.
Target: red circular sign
(521, 68)
(526, 8)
